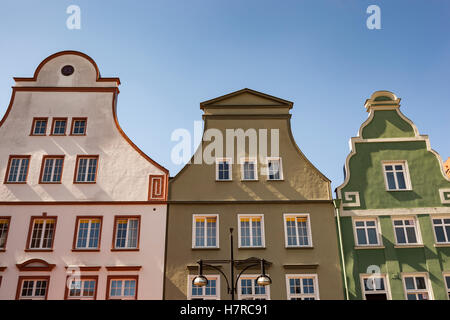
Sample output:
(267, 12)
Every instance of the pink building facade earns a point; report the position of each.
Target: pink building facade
(82, 209)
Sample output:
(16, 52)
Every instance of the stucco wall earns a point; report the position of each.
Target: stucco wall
(150, 255)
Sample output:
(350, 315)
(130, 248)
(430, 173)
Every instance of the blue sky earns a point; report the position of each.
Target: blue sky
(171, 54)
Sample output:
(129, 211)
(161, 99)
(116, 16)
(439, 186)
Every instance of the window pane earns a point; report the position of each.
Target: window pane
(411, 233)
(291, 232)
(92, 170)
(200, 232)
(82, 166)
(3, 232)
(302, 230)
(420, 281)
(391, 181)
(400, 233)
(409, 283)
(132, 233)
(372, 234)
(440, 236)
(361, 235)
(245, 232)
(256, 232)
(401, 180)
(211, 232)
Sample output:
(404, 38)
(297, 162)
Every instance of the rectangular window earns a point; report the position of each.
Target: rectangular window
(17, 171)
(127, 232)
(82, 288)
(122, 288)
(79, 126)
(374, 287)
(274, 169)
(39, 127)
(209, 292)
(302, 287)
(297, 230)
(4, 229)
(59, 126)
(442, 230)
(32, 288)
(396, 176)
(223, 169)
(447, 284)
(86, 169)
(42, 233)
(51, 169)
(416, 287)
(248, 289)
(249, 169)
(251, 231)
(366, 232)
(88, 230)
(205, 231)
(406, 231)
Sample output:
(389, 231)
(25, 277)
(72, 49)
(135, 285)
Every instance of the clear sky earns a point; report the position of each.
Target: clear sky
(171, 55)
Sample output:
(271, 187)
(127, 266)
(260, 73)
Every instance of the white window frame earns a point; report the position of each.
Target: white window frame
(445, 232)
(81, 296)
(194, 217)
(88, 238)
(19, 168)
(302, 276)
(416, 227)
(122, 297)
(230, 166)
(204, 297)
(406, 175)
(377, 228)
(281, 168)
(255, 170)
(296, 215)
(263, 235)
(41, 239)
(33, 296)
(414, 275)
(52, 171)
(252, 296)
(386, 290)
(116, 222)
(86, 173)
(446, 274)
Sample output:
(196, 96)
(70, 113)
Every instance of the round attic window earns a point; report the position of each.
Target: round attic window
(67, 70)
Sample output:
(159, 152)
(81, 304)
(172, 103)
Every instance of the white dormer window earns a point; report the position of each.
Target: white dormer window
(248, 169)
(223, 169)
(396, 176)
(274, 169)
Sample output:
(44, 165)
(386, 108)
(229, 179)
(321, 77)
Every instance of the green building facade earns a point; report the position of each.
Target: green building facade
(395, 210)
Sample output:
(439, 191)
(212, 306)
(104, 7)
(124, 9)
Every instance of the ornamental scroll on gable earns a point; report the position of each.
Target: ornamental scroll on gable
(351, 199)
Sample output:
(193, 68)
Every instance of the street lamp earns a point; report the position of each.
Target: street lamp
(262, 280)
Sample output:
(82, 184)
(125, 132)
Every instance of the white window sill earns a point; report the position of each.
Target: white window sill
(224, 180)
(418, 245)
(442, 245)
(299, 247)
(398, 190)
(370, 247)
(249, 180)
(205, 248)
(255, 247)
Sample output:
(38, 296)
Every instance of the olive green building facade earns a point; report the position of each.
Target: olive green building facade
(395, 211)
(279, 205)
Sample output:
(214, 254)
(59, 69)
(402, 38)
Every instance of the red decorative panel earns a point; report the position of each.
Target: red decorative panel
(157, 187)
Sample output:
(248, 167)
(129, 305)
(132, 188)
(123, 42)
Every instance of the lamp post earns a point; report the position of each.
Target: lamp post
(263, 279)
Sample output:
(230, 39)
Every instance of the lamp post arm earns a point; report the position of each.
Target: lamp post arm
(240, 273)
(218, 269)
